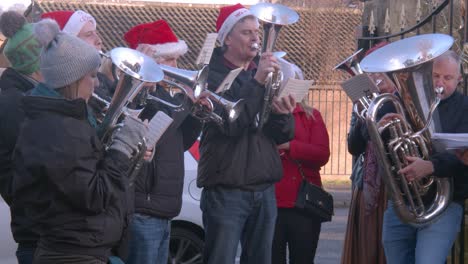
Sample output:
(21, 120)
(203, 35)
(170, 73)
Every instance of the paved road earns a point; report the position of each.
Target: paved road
(331, 238)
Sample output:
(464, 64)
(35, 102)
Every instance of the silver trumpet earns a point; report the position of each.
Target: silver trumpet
(197, 81)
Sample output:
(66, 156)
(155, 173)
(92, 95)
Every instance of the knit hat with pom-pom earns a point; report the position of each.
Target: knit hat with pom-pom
(65, 59)
(22, 48)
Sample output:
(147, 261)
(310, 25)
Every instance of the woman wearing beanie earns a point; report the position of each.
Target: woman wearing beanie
(67, 183)
(22, 50)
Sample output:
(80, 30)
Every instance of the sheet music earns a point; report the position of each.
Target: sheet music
(449, 141)
(227, 82)
(156, 128)
(206, 51)
(359, 86)
(297, 88)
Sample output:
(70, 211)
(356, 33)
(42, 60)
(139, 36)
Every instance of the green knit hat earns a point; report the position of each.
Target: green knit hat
(22, 49)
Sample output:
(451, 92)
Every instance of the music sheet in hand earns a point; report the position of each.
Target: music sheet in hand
(156, 128)
(297, 88)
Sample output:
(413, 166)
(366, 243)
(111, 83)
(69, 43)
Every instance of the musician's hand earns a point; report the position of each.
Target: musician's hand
(268, 63)
(462, 155)
(203, 99)
(284, 146)
(147, 49)
(417, 168)
(148, 154)
(284, 105)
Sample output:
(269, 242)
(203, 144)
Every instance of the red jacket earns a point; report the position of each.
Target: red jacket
(311, 148)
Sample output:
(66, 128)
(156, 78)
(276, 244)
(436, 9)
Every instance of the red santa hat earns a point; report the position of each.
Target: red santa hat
(70, 22)
(158, 34)
(228, 17)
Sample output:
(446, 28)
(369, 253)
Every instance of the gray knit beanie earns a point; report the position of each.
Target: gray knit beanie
(64, 59)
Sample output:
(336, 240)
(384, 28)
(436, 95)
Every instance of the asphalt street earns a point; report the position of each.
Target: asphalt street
(331, 238)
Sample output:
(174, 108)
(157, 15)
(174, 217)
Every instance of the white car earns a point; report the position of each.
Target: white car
(8, 245)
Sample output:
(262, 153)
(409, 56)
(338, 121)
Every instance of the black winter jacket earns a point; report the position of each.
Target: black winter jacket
(13, 86)
(65, 182)
(452, 113)
(158, 188)
(237, 154)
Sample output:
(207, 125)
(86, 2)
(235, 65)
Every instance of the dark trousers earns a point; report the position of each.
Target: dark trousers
(25, 253)
(297, 232)
(43, 256)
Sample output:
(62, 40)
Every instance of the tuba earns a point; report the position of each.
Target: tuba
(409, 61)
(273, 18)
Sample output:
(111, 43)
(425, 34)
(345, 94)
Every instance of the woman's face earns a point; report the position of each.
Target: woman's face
(87, 84)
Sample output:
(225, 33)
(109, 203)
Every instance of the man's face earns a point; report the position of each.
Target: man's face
(168, 60)
(446, 74)
(244, 34)
(89, 34)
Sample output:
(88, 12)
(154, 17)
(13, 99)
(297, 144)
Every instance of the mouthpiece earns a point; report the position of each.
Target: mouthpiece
(255, 46)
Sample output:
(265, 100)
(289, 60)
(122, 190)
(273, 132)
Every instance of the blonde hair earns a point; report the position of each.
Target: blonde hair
(70, 91)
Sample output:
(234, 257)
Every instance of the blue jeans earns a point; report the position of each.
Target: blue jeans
(25, 253)
(233, 215)
(149, 240)
(404, 244)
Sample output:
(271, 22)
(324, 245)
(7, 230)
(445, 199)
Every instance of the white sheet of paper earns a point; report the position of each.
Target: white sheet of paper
(156, 128)
(450, 141)
(206, 51)
(227, 82)
(297, 88)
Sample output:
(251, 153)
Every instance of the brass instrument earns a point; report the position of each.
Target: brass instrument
(351, 66)
(197, 81)
(409, 61)
(136, 69)
(273, 18)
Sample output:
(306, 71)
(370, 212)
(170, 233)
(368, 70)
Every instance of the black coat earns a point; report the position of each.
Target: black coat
(65, 182)
(13, 86)
(238, 154)
(158, 188)
(452, 113)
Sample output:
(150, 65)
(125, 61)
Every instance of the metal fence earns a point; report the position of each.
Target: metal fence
(335, 108)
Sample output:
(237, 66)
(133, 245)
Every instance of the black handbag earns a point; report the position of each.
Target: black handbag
(313, 199)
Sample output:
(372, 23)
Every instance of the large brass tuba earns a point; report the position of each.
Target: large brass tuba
(409, 61)
(273, 18)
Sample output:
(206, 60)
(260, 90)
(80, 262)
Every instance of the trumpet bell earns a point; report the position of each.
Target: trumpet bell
(136, 64)
(274, 13)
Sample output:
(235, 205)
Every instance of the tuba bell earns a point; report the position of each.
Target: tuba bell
(273, 18)
(409, 61)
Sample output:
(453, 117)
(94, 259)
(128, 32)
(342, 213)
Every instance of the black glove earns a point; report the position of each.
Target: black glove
(127, 138)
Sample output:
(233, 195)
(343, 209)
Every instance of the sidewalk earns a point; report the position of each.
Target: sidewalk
(340, 189)
(341, 196)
